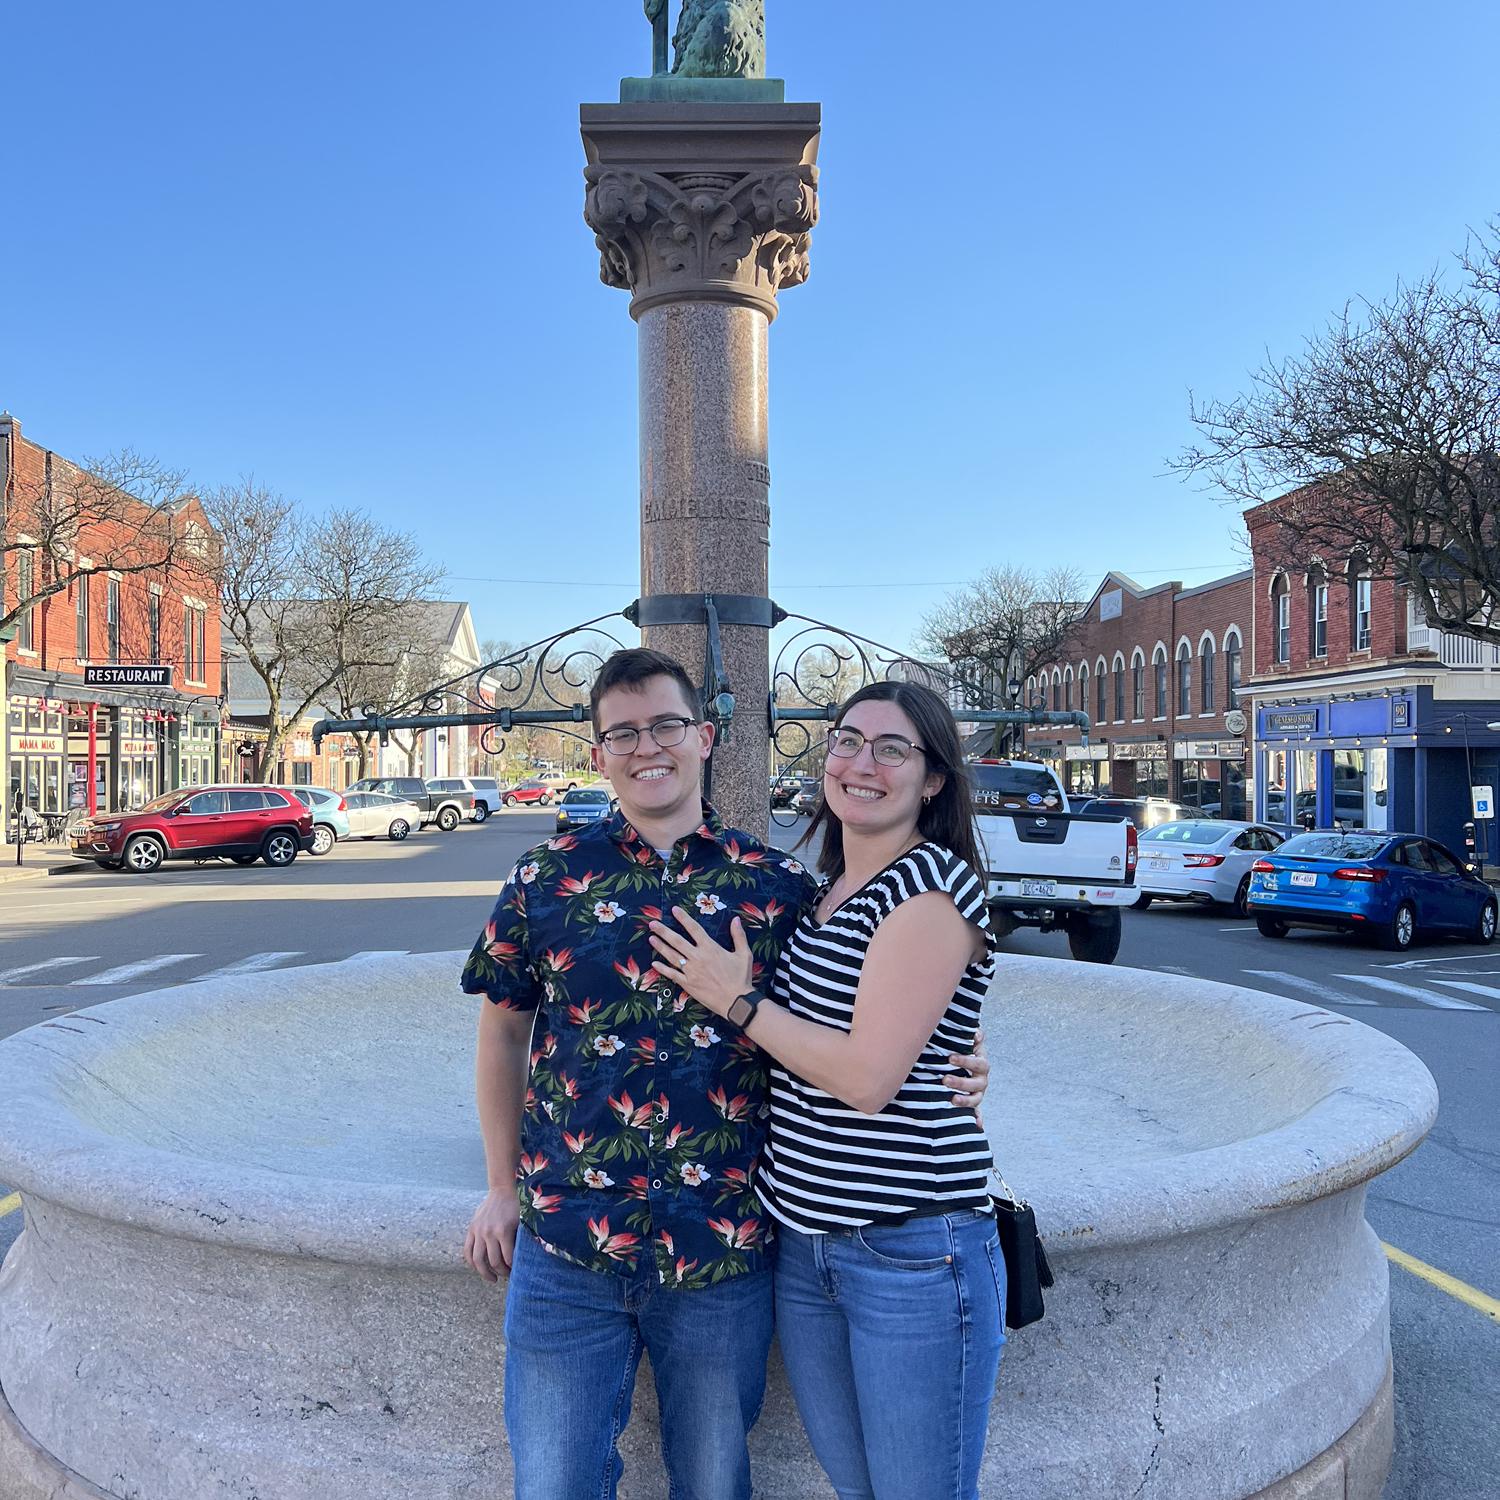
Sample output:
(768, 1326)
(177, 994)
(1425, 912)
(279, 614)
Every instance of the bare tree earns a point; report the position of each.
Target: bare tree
(60, 521)
(1379, 441)
(1003, 627)
(309, 603)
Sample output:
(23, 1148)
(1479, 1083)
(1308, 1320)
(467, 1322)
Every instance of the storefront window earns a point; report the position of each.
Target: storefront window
(1305, 801)
(1349, 788)
(1377, 790)
(1233, 781)
(1276, 787)
(1151, 778)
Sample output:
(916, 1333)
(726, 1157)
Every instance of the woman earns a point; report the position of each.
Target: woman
(890, 1284)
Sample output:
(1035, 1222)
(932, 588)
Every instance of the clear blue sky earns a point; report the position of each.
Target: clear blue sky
(339, 245)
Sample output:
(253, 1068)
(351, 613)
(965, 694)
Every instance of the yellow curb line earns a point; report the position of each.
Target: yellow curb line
(1489, 1306)
(9, 1204)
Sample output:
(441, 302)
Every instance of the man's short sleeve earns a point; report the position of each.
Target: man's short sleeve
(499, 965)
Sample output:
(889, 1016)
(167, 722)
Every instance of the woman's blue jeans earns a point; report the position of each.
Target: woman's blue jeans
(891, 1336)
(573, 1343)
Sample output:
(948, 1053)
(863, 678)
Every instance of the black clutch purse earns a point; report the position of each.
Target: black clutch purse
(1026, 1268)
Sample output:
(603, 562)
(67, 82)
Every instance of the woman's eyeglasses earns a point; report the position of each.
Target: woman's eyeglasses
(888, 749)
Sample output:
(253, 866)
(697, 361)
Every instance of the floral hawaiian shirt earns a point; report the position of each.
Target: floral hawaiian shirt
(645, 1114)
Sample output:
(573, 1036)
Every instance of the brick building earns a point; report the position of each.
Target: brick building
(1157, 670)
(1363, 713)
(67, 746)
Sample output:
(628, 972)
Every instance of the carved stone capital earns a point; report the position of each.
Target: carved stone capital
(701, 205)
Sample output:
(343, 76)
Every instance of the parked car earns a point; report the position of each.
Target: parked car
(1048, 867)
(330, 815)
(806, 798)
(374, 815)
(242, 823)
(1201, 859)
(524, 792)
(784, 789)
(486, 797)
(559, 784)
(1390, 887)
(1142, 812)
(584, 804)
(446, 809)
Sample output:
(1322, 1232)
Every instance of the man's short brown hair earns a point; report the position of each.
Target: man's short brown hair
(630, 668)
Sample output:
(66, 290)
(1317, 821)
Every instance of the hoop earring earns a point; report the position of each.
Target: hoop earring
(926, 800)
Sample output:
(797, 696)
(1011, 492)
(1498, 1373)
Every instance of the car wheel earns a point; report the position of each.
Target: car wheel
(545, 799)
(323, 839)
(1269, 926)
(447, 819)
(1484, 929)
(1095, 940)
(244, 859)
(510, 801)
(481, 811)
(1142, 902)
(143, 854)
(399, 829)
(1242, 898)
(1402, 931)
(279, 850)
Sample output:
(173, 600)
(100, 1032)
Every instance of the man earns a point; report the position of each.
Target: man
(622, 1122)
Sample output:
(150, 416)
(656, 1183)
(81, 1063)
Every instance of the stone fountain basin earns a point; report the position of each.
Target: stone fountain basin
(241, 1268)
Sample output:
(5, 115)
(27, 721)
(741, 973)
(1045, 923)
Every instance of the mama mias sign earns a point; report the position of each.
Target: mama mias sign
(104, 677)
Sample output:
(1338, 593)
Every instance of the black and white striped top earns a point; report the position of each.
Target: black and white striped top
(827, 1165)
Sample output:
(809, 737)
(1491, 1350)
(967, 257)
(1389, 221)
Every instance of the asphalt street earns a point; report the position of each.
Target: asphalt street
(86, 937)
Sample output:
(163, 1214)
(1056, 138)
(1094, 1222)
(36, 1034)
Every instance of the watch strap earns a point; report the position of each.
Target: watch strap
(742, 1008)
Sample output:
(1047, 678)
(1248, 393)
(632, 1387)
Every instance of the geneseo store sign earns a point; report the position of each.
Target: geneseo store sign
(1292, 721)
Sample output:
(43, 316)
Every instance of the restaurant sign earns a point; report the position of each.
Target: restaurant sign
(137, 676)
(36, 744)
(1146, 750)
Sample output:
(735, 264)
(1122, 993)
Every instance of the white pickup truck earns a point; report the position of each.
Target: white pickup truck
(1050, 868)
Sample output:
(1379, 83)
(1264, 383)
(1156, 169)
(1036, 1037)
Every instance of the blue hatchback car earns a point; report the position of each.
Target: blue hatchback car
(1391, 886)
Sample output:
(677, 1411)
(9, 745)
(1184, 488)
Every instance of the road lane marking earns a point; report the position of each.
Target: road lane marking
(252, 965)
(375, 953)
(1421, 963)
(1469, 988)
(1175, 969)
(1310, 987)
(6, 975)
(1482, 1301)
(1427, 997)
(126, 972)
(9, 1204)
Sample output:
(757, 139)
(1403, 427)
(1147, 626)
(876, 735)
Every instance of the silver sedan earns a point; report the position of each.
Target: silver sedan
(1203, 859)
(373, 815)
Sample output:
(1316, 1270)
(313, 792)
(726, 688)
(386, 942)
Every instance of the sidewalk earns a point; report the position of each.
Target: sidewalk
(37, 860)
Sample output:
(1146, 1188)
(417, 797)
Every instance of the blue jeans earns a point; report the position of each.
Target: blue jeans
(891, 1336)
(573, 1341)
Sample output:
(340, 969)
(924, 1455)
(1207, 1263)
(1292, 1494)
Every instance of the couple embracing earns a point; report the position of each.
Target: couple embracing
(695, 1064)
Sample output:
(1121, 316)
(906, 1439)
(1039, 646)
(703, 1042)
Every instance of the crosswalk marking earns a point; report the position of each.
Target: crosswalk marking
(1310, 987)
(377, 953)
(1427, 997)
(1472, 989)
(6, 975)
(126, 972)
(252, 965)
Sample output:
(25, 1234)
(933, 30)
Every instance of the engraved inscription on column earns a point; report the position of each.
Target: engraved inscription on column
(705, 507)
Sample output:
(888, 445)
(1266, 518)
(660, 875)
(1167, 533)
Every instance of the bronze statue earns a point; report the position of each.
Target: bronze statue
(714, 38)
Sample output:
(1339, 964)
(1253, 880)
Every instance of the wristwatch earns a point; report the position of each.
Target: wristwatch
(742, 1008)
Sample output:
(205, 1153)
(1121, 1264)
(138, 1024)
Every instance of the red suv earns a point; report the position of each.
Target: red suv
(242, 823)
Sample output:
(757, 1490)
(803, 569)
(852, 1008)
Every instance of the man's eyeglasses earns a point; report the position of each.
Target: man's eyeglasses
(888, 749)
(664, 734)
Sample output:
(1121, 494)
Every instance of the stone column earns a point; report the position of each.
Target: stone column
(704, 212)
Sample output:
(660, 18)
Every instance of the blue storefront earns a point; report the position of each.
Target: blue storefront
(1400, 760)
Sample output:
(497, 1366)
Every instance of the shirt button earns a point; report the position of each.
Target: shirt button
(661, 1119)
(662, 1055)
(656, 1183)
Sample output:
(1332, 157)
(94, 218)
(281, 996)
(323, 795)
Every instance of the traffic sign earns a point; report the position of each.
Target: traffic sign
(1484, 801)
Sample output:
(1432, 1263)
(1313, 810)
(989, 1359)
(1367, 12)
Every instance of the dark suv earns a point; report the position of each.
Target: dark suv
(242, 823)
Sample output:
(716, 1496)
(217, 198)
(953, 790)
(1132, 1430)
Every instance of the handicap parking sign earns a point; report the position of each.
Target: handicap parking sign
(1484, 801)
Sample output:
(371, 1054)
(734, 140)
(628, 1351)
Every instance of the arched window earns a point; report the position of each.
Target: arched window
(1056, 690)
(1138, 686)
(1083, 687)
(1359, 603)
(1184, 678)
(1232, 669)
(1159, 674)
(1119, 689)
(1068, 690)
(1100, 677)
(1281, 617)
(1206, 672)
(1317, 612)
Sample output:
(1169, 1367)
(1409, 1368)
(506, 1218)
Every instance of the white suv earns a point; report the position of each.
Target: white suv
(484, 789)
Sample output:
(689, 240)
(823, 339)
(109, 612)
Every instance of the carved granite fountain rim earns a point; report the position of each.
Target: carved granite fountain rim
(47, 1149)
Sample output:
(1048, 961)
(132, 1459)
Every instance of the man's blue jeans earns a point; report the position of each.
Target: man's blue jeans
(892, 1337)
(573, 1340)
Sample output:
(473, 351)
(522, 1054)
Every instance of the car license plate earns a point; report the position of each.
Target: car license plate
(1157, 864)
(1299, 879)
(1038, 887)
